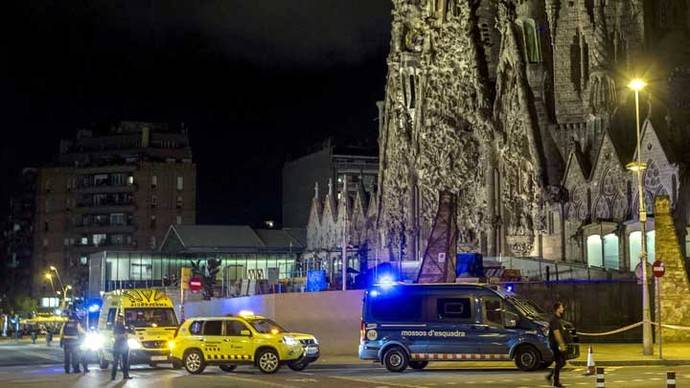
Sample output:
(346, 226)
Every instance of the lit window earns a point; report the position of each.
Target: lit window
(154, 181)
(84, 260)
(179, 220)
(98, 238)
(180, 183)
(130, 180)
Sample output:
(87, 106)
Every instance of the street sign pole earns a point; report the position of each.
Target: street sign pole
(658, 269)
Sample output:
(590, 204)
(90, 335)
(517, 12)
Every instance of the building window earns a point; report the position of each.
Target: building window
(606, 256)
(117, 219)
(45, 226)
(634, 247)
(531, 41)
(154, 181)
(117, 239)
(179, 202)
(154, 201)
(178, 220)
(84, 240)
(84, 260)
(102, 179)
(153, 242)
(153, 222)
(180, 183)
(130, 180)
(99, 239)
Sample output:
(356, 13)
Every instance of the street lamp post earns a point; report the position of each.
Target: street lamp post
(637, 167)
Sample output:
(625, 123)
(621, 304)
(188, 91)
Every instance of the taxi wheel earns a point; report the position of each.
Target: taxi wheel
(268, 361)
(418, 365)
(527, 358)
(395, 359)
(194, 362)
(227, 368)
(297, 365)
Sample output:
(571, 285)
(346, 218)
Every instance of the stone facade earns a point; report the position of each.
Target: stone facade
(675, 289)
(521, 109)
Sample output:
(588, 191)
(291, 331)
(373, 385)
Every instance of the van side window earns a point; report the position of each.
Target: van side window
(111, 317)
(213, 328)
(454, 308)
(493, 311)
(195, 327)
(407, 308)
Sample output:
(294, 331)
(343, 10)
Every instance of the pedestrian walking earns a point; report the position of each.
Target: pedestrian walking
(34, 334)
(49, 337)
(557, 343)
(70, 334)
(120, 349)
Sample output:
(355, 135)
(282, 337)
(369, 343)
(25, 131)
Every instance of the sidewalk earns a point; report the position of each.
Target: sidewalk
(631, 355)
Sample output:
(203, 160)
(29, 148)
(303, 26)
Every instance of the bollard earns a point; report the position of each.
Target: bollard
(600, 378)
(670, 379)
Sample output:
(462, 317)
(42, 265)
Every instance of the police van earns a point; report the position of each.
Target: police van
(150, 316)
(411, 324)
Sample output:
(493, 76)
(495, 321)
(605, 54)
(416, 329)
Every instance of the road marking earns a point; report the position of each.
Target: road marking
(374, 382)
(260, 382)
(302, 380)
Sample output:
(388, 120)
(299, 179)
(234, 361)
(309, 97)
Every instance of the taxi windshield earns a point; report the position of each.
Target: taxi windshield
(150, 317)
(266, 326)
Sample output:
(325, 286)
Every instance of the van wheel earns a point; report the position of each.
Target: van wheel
(395, 359)
(268, 361)
(418, 365)
(227, 368)
(194, 362)
(527, 358)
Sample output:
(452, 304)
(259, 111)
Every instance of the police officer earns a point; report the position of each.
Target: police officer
(557, 342)
(120, 349)
(69, 340)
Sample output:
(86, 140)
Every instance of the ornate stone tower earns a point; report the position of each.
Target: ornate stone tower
(460, 115)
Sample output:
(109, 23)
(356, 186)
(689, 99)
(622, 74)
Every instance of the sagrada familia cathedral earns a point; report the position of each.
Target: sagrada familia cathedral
(520, 108)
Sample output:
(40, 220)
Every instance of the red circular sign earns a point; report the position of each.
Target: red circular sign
(195, 283)
(658, 268)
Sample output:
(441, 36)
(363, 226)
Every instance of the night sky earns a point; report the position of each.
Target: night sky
(254, 80)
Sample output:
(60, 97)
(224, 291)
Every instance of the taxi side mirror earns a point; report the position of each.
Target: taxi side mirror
(245, 333)
(509, 319)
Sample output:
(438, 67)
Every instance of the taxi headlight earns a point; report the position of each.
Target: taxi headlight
(316, 341)
(290, 341)
(133, 344)
(171, 345)
(92, 342)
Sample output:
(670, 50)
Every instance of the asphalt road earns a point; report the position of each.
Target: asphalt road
(26, 365)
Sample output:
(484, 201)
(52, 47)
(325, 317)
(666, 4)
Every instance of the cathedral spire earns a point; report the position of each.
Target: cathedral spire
(602, 92)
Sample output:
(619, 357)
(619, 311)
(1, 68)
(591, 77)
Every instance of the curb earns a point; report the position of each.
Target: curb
(633, 363)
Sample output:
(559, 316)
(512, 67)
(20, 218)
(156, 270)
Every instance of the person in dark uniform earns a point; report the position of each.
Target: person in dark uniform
(557, 343)
(69, 340)
(120, 349)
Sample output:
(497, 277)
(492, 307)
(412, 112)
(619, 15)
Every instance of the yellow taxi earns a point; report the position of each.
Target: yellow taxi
(245, 339)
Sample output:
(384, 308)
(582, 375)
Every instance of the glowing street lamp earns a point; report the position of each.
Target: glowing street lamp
(637, 167)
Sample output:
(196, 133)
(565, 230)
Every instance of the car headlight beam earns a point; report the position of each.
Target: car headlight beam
(133, 344)
(92, 342)
(290, 341)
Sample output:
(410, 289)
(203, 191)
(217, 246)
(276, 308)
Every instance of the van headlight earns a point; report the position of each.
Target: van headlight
(290, 341)
(133, 344)
(92, 342)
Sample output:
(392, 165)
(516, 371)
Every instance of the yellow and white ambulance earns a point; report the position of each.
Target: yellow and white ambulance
(150, 316)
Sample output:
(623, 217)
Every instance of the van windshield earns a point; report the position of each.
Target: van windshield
(526, 306)
(150, 317)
